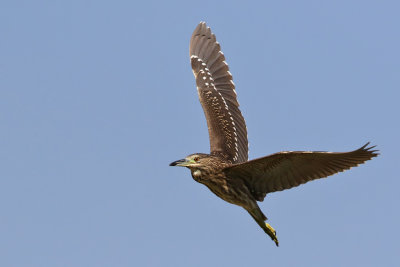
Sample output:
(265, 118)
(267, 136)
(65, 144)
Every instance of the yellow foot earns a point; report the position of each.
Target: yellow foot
(270, 228)
(272, 234)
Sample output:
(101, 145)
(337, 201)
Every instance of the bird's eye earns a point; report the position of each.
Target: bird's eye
(196, 159)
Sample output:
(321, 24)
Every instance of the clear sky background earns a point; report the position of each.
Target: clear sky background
(98, 97)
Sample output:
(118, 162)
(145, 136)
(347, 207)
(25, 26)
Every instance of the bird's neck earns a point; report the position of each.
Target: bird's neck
(199, 175)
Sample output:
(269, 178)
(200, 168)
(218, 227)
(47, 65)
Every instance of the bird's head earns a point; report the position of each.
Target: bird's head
(197, 160)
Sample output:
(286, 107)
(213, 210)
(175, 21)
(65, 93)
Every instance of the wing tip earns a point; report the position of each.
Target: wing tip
(201, 29)
(369, 149)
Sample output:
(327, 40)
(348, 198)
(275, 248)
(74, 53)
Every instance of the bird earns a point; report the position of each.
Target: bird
(226, 170)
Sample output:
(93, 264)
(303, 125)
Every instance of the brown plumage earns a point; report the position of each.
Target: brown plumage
(216, 90)
(226, 171)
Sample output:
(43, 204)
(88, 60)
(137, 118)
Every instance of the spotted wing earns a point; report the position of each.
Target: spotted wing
(216, 90)
(285, 170)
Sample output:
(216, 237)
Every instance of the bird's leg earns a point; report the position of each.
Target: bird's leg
(269, 230)
(260, 218)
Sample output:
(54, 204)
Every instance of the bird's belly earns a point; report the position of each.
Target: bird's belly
(232, 191)
(231, 194)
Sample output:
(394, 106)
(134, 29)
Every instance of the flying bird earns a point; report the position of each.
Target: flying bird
(226, 171)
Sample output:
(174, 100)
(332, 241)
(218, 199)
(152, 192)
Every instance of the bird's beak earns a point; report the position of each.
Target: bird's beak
(181, 162)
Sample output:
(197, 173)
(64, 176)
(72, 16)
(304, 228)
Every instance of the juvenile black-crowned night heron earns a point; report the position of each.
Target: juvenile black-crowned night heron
(226, 171)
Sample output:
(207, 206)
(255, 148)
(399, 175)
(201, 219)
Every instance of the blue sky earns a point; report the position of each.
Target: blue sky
(98, 97)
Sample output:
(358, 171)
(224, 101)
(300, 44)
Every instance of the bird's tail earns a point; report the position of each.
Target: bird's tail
(260, 218)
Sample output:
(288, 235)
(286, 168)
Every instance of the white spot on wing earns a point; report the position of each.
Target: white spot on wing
(205, 71)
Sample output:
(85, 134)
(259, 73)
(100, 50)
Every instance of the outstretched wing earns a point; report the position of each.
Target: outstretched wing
(285, 170)
(226, 126)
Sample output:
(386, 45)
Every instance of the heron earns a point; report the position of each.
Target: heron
(226, 170)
